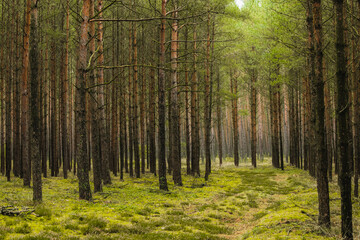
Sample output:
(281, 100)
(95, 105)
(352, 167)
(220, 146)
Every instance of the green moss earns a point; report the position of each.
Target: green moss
(4, 230)
(213, 228)
(43, 211)
(71, 225)
(23, 228)
(272, 204)
(56, 229)
(175, 212)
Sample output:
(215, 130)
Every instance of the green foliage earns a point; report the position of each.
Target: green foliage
(235, 202)
(23, 228)
(43, 211)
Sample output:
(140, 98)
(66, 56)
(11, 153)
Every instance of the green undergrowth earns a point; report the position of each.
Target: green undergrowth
(236, 203)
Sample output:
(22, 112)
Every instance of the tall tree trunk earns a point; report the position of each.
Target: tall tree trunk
(328, 123)
(122, 99)
(68, 103)
(187, 124)
(94, 109)
(311, 75)
(103, 133)
(142, 120)
(130, 112)
(25, 98)
(161, 90)
(253, 116)
(81, 143)
(318, 99)
(53, 109)
(356, 60)
(343, 126)
(2, 101)
(152, 124)
(195, 139)
(143, 110)
(175, 122)
(207, 110)
(280, 130)
(34, 104)
(219, 118)
(16, 99)
(233, 83)
(8, 102)
(135, 100)
(64, 89)
(274, 109)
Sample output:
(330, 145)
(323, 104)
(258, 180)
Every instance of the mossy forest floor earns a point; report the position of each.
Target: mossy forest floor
(236, 203)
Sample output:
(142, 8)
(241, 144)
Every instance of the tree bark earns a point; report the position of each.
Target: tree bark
(175, 130)
(207, 110)
(34, 104)
(187, 124)
(356, 72)
(343, 132)
(94, 109)
(152, 124)
(63, 110)
(311, 75)
(161, 95)
(233, 86)
(25, 98)
(104, 137)
(130, 111)
(81, 143)
(195, 139)
(318, 100)
(135, 100)
(253, 117)
(219, 119)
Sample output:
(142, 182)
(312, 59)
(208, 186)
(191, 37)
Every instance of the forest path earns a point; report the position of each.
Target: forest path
(236, 203)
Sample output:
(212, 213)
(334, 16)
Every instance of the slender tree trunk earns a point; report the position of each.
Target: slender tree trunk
(207, 104)
(219, 118)
(143, 110)
(45, 132)
(81, 142)
(64, 89)
(53, 110)
(318, 85)
(233, 83)
(161, 90)
(135, 101)
(175, 122)
(195, 140)
(8, 102)
(103, 133)
(152, 124)
(2, 101)
(311, 74)
(356, 60)
(343, 126)
(34, 104)
(142, 120)
(280, 130)
(187, 124)
(25, 98)
(130, 112)
(16, 99)
(274, 108)
(253, 117)
(94, 109)
(123, 139)
(328, 122)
